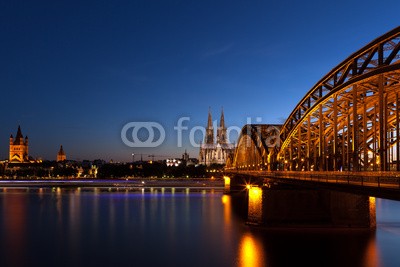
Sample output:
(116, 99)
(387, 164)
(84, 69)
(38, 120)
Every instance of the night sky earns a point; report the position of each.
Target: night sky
(75, 72)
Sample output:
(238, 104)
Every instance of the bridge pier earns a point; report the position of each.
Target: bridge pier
(227, 184)
(282, 206)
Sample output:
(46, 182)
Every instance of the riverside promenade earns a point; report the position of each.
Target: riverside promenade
(206, 183)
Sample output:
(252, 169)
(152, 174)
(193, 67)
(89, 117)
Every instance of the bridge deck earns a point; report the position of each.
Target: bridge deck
(379, 184)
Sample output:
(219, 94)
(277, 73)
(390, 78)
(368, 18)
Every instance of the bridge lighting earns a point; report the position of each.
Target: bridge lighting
(255, 192)
(255, 205)
(227, 183)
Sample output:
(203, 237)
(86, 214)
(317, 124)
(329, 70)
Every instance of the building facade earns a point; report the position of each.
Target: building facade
(18, 148)
(215, 150)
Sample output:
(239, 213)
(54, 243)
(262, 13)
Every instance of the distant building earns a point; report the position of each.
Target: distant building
(215, 152)
(185, 156)
(19, 148)
(173, 162)
(187, 161)
(61, 155)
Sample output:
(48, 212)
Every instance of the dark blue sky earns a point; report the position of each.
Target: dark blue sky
(75, 72)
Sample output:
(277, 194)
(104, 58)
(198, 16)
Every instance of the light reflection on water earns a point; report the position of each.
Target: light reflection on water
(173, 227)
(251, 251)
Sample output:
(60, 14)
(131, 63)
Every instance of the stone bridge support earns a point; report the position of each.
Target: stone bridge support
(282, 206)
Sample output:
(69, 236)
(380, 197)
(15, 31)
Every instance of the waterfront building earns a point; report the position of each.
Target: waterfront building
(61, 155)
(218, 151)
(18, 148)
(173, 162)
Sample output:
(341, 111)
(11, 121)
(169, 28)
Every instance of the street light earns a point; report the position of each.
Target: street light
(133, 157)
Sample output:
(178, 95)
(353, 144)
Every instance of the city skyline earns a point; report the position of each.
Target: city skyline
(75, 74)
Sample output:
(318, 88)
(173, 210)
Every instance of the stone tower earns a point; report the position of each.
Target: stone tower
(221, 132)
(61, 154)
(209, 139)
(19, 148)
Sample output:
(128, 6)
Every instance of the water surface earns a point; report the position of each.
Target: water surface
(173, 227)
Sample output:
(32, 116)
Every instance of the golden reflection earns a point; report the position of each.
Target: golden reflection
(372, 258)
(255, 204)
(14, 216)
(40, 192)
(251, 251)
(372, 212)
(226, 200)
(227, 183)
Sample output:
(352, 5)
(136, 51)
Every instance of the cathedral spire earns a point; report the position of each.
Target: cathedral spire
(221, 132)
(222, 119)
(210, 130)
(209, 124)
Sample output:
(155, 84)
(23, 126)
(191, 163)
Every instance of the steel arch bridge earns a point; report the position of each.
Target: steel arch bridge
(348, 121)
(257, 148)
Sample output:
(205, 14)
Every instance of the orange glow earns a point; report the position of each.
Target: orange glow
(255, 205)
(250, 252)
(14, 212)
(225, 199)
(248, 187)
(227, 184)
(372, 257)
(255, 192)
(372, 212)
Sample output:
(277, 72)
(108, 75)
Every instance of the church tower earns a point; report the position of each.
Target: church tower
(221, 132)
(210, 130)
(18, 148)
(61, 154)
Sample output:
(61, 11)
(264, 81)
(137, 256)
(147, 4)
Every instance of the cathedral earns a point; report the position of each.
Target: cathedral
(215, 151)
(19, 148)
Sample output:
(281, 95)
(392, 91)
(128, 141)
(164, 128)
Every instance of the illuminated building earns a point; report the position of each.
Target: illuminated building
(61, 155)
(19, 148)
(215, 152)
(173, 162)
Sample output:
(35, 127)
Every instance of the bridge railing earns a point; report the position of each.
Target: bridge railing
(367, 179)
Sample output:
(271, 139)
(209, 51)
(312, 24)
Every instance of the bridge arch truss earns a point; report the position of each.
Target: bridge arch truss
(350, 119)
(257, 148)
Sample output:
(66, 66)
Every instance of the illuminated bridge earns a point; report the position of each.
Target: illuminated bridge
(343, 133)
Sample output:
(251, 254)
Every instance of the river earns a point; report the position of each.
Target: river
(173, 227)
